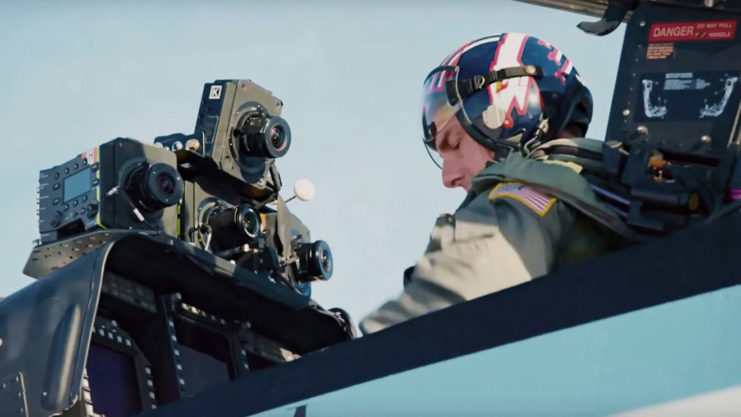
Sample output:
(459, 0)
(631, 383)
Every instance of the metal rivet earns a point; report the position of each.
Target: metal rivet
(642, 23)
(626, 112)
(1, 341)
(192, 145)
(706, 139)
(642, 129)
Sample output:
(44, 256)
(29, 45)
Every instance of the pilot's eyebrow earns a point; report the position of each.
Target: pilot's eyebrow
(445, 141)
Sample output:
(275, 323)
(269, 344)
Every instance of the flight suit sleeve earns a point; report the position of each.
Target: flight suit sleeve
(491, 244)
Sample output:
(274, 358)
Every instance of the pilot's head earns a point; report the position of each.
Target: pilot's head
(497, 94)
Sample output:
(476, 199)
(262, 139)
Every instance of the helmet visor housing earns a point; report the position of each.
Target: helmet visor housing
(445, 96)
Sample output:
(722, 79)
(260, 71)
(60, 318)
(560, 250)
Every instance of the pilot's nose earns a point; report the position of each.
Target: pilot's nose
(453, 175)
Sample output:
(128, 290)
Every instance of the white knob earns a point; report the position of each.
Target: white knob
(304, 190)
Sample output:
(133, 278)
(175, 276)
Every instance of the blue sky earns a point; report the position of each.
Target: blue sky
(77, 74)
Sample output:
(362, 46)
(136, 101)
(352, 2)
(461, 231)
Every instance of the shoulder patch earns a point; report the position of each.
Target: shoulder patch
(538, 202)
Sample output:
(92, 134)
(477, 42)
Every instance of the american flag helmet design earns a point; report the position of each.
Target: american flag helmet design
(508, 90)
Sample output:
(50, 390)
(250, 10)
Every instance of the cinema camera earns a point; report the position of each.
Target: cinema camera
(120, 184)
(217, 188)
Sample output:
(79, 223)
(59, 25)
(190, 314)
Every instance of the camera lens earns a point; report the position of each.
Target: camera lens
(249, 221)
(154, 187)
(166, 183)
(264, 136)
(315, 261)
(278, 138)
(326, 261)
(234, 226)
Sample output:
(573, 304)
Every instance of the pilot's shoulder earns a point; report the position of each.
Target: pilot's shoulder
(522, 195)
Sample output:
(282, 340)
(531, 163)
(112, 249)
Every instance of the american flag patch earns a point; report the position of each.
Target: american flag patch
(533, 199)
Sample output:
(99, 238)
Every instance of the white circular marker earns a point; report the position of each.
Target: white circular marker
(304, 190)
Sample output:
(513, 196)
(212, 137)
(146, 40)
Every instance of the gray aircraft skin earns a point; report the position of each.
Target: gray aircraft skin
(190, 333)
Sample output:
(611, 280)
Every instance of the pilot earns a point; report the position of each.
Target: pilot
(505, 115)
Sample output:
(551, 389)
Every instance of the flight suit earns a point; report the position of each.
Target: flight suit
(522, 218)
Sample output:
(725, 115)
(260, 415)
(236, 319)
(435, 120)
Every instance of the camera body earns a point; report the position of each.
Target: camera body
(260, 238)
(238, 134)
(121, 184)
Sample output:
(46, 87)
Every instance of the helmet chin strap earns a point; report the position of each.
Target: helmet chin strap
(503, 147)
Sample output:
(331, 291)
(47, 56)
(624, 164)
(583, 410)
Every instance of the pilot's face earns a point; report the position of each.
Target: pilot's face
(462, 156)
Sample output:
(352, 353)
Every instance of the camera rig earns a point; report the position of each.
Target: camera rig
(217, 188)
(166, 268)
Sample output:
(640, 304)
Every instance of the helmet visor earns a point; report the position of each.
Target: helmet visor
(440, 101)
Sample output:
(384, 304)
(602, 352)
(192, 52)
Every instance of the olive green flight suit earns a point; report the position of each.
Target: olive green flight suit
(522, 219)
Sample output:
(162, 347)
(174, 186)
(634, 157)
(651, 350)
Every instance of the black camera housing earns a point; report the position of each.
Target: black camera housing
(121, 184)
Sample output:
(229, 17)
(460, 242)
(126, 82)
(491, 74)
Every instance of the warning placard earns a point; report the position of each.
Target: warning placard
(693, 31)
(659, 50)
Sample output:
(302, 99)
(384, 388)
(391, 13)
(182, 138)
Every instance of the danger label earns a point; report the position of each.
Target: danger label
(693, 31)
